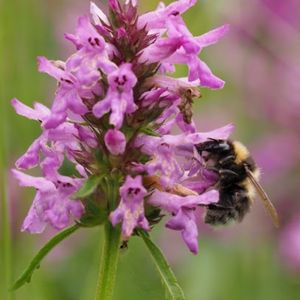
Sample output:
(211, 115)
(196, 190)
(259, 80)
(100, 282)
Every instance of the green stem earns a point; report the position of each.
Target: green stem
(109, 262)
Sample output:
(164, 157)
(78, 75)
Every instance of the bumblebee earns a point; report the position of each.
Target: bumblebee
(237, 183)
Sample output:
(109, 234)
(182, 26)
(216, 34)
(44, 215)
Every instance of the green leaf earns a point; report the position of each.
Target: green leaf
(149, 131)
(102, 160)
(35, 263)
(88, 187)
(169, 280)
(94, 214)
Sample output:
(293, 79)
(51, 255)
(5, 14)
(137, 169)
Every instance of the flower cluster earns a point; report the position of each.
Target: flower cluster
(112, 118)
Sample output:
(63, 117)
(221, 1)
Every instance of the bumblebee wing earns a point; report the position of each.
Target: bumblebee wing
(265, 199)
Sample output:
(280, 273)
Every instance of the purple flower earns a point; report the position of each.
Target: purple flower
(185, 222)
(52, 203)
(165, 164)
(78, 77)
(67, 95)
(158, 18)
(64, 139)
(131, 208)
(180, 47)
(119, 98)
(115, 141)
(201, 181)
(166, 159)
(93, 52)
(188, 54)
(87, 37)
(182, 210)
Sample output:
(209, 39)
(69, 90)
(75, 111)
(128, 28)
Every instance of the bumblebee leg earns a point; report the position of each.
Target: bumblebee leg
(212, 139)
(226, 159)
(220, 206)
(228, 172)
(228, 177)
(214, 169)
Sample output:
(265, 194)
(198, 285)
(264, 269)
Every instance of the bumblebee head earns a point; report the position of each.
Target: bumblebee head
(215, 147)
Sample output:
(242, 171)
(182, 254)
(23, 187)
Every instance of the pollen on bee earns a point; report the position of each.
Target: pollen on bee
(251, 191)
(241, 151)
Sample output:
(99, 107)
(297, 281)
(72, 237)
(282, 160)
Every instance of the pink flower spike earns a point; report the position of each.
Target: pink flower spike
(119, 120)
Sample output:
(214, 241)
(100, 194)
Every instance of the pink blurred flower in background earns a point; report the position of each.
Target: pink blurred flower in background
(290, 244)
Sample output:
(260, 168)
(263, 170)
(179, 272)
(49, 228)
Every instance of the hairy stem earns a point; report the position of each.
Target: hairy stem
(109, 262)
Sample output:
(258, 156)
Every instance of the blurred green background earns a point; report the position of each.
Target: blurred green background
(245, 261)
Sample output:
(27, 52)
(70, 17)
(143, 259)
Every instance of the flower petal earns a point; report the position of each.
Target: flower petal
(131, 208)
(40, 183)
(115, 141)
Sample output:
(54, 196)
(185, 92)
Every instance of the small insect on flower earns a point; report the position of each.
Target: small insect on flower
(238, 180)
